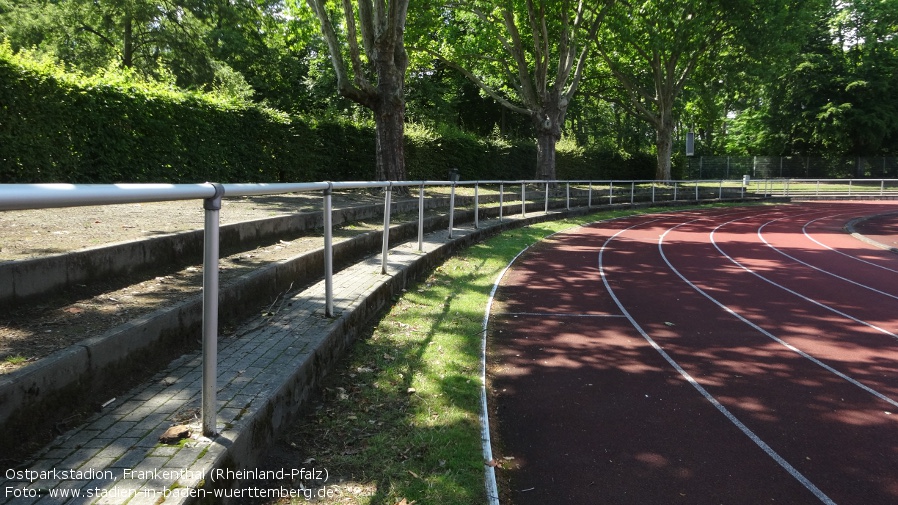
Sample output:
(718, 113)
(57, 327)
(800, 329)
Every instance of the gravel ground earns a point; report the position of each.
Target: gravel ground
(32, 233)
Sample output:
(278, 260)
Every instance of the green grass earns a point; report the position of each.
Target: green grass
(399, 418)
(15, 360)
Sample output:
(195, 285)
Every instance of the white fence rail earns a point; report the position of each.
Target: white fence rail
(827, 188)
(535, 194)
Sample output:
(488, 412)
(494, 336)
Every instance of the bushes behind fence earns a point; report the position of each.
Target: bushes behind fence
(60, 127)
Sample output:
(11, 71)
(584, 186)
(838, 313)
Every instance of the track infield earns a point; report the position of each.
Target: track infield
(728, 356)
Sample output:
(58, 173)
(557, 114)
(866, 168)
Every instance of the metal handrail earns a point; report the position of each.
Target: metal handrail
(43, 196)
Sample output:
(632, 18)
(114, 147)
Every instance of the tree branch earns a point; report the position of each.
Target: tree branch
(358, 68)
(516, 51)
(482, 85)
(345, 87)
(632, 90)
(366, 20)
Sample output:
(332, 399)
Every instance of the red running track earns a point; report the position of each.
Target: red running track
(745, 355)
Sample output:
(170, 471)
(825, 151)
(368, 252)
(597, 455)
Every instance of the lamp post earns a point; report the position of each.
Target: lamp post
(690, 152)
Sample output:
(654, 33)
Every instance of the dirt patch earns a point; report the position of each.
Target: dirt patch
(30, 332)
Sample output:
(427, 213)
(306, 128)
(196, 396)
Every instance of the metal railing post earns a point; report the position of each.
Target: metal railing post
(696, 191)
(632, 193)
(610, 192)
(209, 409)
(589, 196)
(328, 221)
(568, 197)
(720, 191)
(421, 218)
(451, 208)
(653, 191)
(388, 193)
(476, 205)
(523, 199)
(501, 200)
(675, 190)
(547, 198)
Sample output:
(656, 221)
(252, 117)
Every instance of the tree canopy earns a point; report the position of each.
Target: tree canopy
(369, 40)
(654, 48)
(837, 93)
(527, 55)
(760, 77)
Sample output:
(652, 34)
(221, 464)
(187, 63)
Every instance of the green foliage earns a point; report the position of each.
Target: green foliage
(813, 77)
(837, 94)
(58, 127)
(430, 154)
(577, 163)
(63, 127)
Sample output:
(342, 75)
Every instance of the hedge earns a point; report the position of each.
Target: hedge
(58, 127)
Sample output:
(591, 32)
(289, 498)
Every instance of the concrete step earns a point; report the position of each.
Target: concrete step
(37, 398)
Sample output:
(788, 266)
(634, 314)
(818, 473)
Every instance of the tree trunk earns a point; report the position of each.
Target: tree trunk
(382, 38)
(548, 132)
(545, 155)
(389, 113)
(389, 121)
(128, 42)
(664, 146)
(664, 141)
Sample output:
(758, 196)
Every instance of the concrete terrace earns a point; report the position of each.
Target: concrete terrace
(265, 372)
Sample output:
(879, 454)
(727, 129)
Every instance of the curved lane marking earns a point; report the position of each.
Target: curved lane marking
(821, 244)
(704, 392)
(764, 332)
(793, 258)
(492, 486)
(791, 291)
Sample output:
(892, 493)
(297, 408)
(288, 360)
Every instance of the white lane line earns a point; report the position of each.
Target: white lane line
(764, 332)
(710, 398)
(804, 229)
(492, 486)
(791, 291)
(555, 314)
(793, 258)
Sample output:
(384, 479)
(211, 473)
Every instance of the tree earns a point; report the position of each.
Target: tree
(652, 48)
(528, 55)
(864, 111)
(835, 95)
(373, 34)
(154, 39)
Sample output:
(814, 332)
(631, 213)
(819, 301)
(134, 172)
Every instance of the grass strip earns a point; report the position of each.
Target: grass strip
(398, 421)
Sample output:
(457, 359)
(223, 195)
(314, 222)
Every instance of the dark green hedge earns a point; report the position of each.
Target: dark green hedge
(59, 129)
(56, 131)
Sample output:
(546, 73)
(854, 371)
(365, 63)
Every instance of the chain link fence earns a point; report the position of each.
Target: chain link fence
(764, 167)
